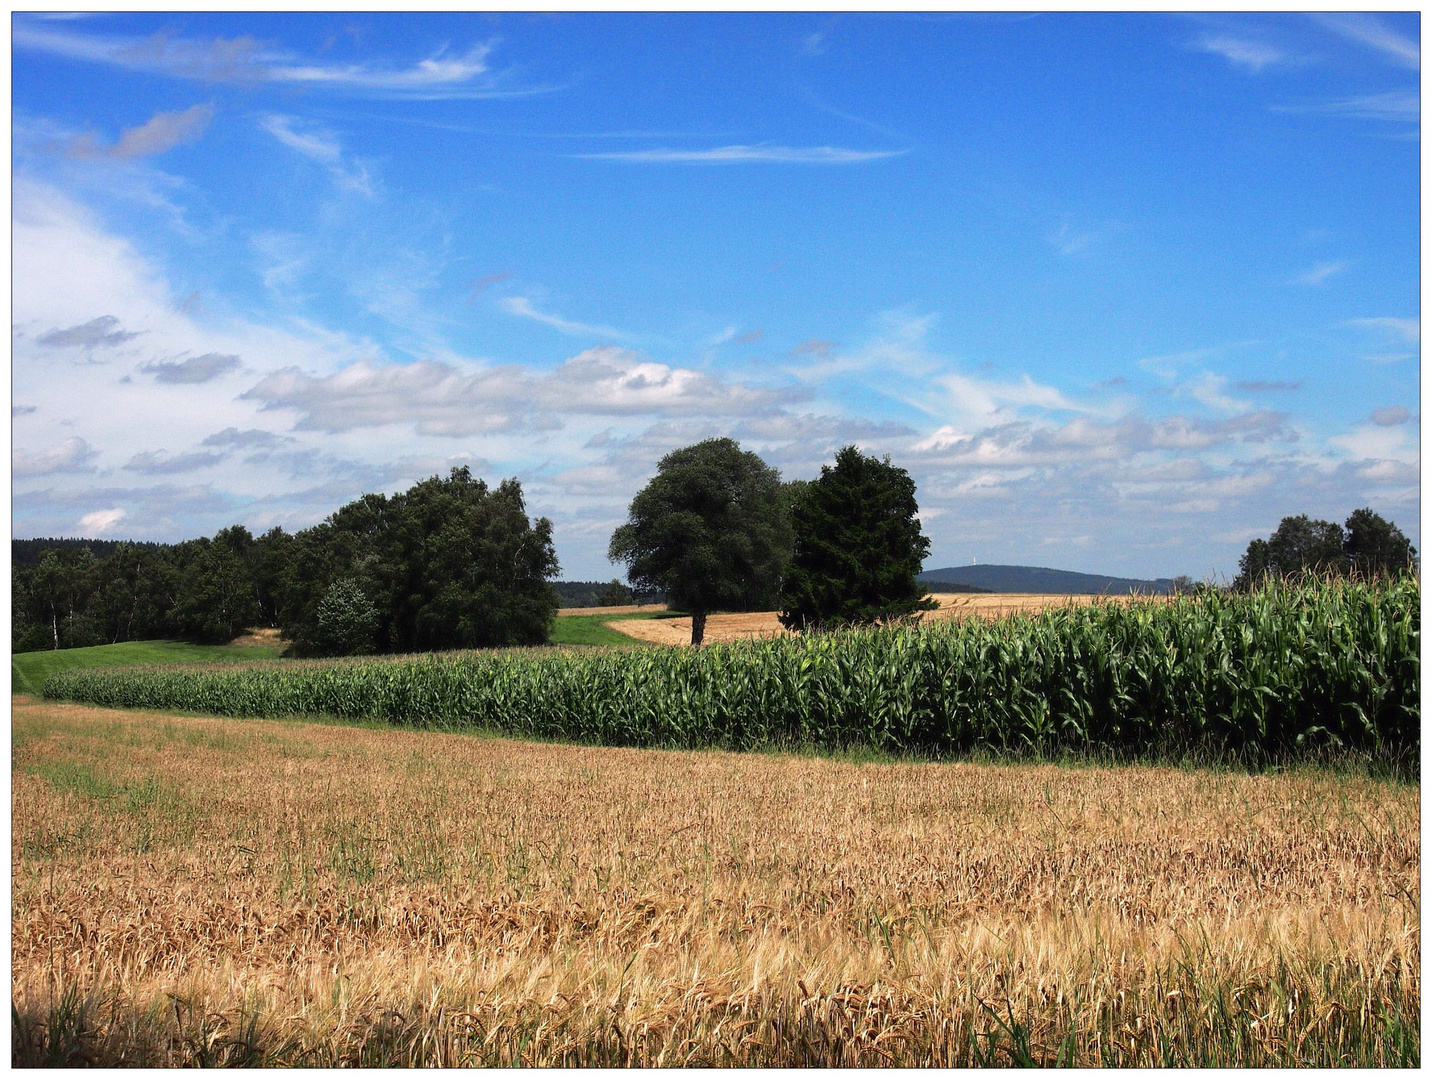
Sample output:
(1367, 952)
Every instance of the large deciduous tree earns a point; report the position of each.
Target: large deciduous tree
(710, 531)
(1370, 545)
(858, 546)
(1376, 546)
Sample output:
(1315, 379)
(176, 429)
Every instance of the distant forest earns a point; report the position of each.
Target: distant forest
(448, 564)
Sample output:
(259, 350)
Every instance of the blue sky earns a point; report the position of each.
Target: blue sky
(1119, 291)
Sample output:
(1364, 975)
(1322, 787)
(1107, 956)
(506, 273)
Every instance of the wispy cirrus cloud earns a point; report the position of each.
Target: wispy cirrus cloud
(163, 131)
(1369, 30)
(741, 155)
(1320, 272)
(442, 75)
(523, 307)
(427, 76)
(1394, 338)
(320, 145)
(1395, 105)
(1241, 52)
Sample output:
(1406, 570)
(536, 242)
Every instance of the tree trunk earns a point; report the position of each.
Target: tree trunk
(698, 627)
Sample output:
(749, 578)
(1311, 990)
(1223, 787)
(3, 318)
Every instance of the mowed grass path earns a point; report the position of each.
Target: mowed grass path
(28, 671)
(209, 891)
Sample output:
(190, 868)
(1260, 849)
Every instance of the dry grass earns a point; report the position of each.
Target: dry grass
(261, 635)
(738, 626)
(204, 891)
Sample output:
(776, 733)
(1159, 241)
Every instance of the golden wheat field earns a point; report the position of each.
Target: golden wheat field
(740, 625)
(207, 891)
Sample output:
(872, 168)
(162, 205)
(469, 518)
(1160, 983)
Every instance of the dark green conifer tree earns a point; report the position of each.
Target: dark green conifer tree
(858, 547)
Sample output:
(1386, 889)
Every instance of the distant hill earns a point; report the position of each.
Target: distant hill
(1041, 579)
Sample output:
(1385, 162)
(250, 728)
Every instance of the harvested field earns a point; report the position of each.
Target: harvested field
(208, 891)
(755, 624)
(626, 609)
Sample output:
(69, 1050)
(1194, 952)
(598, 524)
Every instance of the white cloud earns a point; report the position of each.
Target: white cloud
(322, 146)
(71, 456)
(1069, 241)
(736, 155)
(1396, 105)
(427, 77)
(440, 399)
(1253, 55)
(522, 307)
(1380, 442)
(100, 522)
(1394, 339)
(284, 259)
(244, 60)
(1370, 31)
(1209, 389)
(1320, 272)
(1407, 330)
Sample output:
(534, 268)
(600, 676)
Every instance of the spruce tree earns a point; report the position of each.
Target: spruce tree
(858, 547)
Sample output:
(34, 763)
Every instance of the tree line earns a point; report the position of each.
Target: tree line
(450, 563)
(1367, 546)
(454, 564)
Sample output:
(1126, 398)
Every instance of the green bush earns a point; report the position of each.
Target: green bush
(346, 623)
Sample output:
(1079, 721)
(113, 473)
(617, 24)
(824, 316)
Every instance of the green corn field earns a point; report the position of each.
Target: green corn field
(1286, 672)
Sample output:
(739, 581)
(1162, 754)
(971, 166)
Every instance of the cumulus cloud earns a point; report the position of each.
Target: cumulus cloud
(162, 463)
(1027, 443)
(436, 398)
(439, 399)
(71, 456)
(1393, 414)
(253, 438)
(97, 333)
(163, 131)
(99, 522)
(197, 369)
